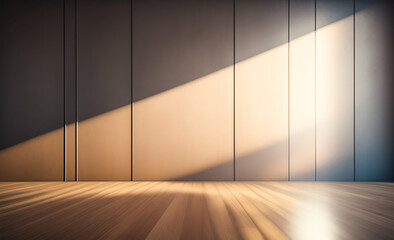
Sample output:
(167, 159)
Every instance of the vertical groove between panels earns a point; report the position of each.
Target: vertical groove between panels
(354, 90)
(288, 90)
(76, 90)
(315, 98)
(234, 90)
(131, 88)
(64, 95)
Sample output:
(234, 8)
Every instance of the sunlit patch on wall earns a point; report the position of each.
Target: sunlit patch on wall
(302, 107)
(70, 152)
(39, 158)
(334, 100)
(186, 130)
(104, 146)
(261, 116)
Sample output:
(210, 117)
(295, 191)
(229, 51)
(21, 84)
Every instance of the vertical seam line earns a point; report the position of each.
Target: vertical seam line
(64, 95)
(76, 90)
(234, 90)
(131, 87)
(354, 90)
(288, 90)
(315, 98)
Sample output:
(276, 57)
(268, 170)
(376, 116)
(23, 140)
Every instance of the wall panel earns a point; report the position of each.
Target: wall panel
(31, 90)
(334, 90)
(104, 89)
(302, 89)
(261, 90)
(183, 90)
(70, 88)
(374, 83)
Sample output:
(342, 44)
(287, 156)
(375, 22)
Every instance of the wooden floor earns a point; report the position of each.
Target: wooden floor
(196, 210)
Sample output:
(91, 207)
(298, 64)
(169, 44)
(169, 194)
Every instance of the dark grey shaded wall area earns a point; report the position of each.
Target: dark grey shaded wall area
(31, 69)
(104, 56)
(70, 89)
(260, 26)
(374, 56)
(70, 61)
(175, 42)
(302, 18)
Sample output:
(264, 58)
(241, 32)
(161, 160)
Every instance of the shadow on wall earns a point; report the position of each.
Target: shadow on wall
(31, 70)
(178, 89)
(15, 133)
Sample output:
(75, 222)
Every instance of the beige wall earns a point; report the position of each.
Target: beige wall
(70, 152)
(104, 144)
(37, 159)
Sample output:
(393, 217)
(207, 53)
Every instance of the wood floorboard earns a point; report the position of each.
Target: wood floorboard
(196, 210)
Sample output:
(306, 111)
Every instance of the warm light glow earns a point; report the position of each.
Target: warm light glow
(186, 130)
(314, 221)
(70, 152)
(261, 115)
(302, 107)
(39, 158)
(104, 146)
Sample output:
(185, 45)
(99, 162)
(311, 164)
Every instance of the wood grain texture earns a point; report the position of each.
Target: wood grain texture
(196, 210)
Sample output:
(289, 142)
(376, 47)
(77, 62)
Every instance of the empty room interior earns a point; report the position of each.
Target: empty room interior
(196, 119)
